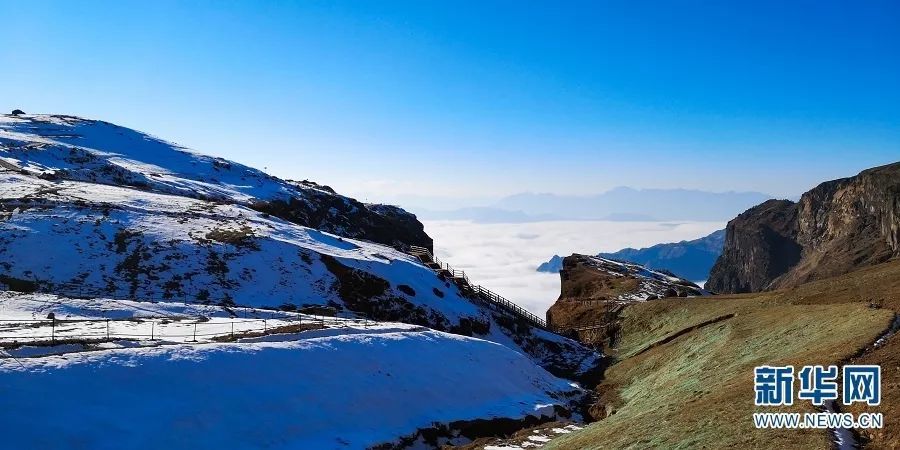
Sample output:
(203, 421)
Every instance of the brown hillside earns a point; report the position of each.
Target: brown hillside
(684, 373)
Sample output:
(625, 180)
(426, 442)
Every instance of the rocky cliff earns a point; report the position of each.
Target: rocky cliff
(594, 288)
(838, 226)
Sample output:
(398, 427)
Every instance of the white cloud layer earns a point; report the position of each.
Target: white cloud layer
(503, 257)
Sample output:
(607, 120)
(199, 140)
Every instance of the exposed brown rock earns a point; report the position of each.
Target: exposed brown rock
(594, 289)
(479, 433)
(760, 244)
(326, 211)
(838, 226)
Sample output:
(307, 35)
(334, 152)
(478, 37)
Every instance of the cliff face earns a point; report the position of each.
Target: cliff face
(760, 245)
(838, 226)
(593, 286)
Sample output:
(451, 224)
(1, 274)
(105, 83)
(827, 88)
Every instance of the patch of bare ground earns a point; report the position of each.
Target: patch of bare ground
(473, 431)
(888, 357)
(296, 328)
(532, 437)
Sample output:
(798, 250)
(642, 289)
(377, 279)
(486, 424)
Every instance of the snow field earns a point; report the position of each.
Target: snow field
(337, 391)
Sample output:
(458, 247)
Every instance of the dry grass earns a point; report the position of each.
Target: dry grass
(587, 282)
(888, 357)
(696, 390)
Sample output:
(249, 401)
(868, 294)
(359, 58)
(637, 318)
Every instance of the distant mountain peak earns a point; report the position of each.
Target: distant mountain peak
(691, 259)
(626, 203)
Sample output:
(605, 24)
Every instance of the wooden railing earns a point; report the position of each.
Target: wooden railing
(462, 280)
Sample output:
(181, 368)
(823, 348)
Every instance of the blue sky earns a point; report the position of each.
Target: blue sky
(388, 100)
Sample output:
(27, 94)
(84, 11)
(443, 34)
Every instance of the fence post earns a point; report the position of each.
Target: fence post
(265, 327)
(232, 329)
(152, 330)
(195, 331)
(107, 329)
(53, 330)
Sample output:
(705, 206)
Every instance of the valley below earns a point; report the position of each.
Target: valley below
(505, 256)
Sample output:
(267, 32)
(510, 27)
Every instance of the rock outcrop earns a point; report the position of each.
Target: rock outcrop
(760, 245)
(593, 288)
(835, 228)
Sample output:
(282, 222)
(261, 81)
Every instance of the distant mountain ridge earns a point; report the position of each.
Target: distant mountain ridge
(483, 214)
(691, 260)
(553, 265)
(625, 203)
(622, 204)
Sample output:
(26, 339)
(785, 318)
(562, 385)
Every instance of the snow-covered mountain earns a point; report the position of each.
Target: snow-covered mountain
(56, 147)
(92, 209)
(101, 222)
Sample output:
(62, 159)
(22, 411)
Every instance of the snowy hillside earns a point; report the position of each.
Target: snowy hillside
(349, 385)
(150, 231)
(128, 243)
(71, 148)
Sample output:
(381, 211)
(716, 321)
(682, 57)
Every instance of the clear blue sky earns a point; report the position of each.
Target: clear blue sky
(480, 99)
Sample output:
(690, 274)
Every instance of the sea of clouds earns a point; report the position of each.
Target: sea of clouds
(504, 257)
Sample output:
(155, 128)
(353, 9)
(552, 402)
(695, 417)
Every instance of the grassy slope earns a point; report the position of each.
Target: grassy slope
(696, 390)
